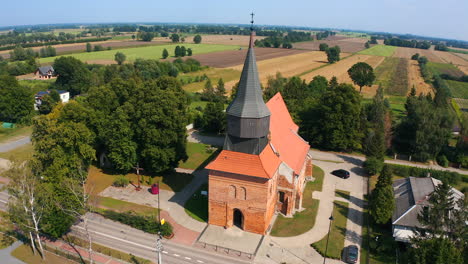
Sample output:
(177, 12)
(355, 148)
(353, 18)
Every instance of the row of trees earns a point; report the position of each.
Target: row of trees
(407, 43)
(333, 53)
(283, 41)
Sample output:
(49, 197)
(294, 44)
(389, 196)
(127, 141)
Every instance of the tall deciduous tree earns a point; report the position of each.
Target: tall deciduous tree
(214, 118)
(120, 57)
(73, 75)
(333, 54)
(89, 48)
(175, 37)
(16, 101)
(197, 39)
(362, 74)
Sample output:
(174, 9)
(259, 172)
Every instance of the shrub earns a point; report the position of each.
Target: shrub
(452, 178)
(442, 161)
(373, 165)
(121, 181)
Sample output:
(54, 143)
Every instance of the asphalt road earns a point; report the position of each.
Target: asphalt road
(5, 147)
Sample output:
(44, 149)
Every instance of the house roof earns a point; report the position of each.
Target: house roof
(249, 98)
(45, 69)
(42, 93)
(292, 149)
(262, 166)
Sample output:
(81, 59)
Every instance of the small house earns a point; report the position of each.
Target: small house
(44, 72)
(64, 97)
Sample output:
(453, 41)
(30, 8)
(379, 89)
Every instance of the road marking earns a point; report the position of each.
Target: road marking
(165, 252)
(116, 238)
(188, 258)
(176, 255)
(199, 261)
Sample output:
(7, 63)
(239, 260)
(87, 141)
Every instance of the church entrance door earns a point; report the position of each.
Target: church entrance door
(238, 219)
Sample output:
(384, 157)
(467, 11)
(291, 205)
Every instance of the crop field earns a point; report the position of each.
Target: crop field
(289, 65)
(444, 68)
(464, 69)
(379, 50)
(392, 75)
(228, 75)
(340, 70)
(403, 52)
(416, 80)
(349, 45)
(149, 52)
(233, 57)
(451, 58)
(458, 89)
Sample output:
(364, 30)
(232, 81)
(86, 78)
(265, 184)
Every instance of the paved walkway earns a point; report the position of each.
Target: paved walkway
(186, 229)
(5, 254)
(195, 137)
(5, 147)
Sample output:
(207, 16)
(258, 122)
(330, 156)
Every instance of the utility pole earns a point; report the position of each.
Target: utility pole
(137, 168)
(328, 237)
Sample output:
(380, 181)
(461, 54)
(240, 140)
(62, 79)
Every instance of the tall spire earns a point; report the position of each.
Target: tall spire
(252, 32)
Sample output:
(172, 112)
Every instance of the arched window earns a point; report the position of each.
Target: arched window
(242, 193)
(232, 191)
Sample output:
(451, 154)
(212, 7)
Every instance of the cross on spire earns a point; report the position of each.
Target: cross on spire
(252, 21)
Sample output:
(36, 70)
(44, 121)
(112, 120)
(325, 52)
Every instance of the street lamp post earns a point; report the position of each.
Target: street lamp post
(137, 168)
(328, 237)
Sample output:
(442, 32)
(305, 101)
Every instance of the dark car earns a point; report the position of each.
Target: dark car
(351, 254)
(341, 173)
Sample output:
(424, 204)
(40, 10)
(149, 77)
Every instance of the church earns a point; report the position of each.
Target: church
(264, 163)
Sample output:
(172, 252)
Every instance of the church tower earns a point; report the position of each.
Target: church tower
(248, 117)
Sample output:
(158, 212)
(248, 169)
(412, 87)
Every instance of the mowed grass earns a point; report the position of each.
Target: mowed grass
(318, 174)
(302, 221)
(25, 254)
(458, 89)
(25, 152)
(149, 52)
(11, 134)
(379, 50)
(198, 155)
(214, 74)
(337, 233)
(444, 68)
(197, 206)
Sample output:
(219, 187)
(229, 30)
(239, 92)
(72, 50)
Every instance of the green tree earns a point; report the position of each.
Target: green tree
(362, 74)
(16, 101)
(214, 118)
(73, 75)
(197, 39)
(367, 45)
(165, 54)
(221, 91)
(323, 46)
(89, 48)
(415, 56)
(333, 54)
(189, 52)
(208, 93)
(120, 57)
(375, 139)
(177, 51)
(382, 204)
(48, 102)
(183, 51)
(434, 251)
(146, 36)
(175, 38)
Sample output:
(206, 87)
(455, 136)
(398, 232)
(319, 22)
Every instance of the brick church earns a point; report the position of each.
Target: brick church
(264, 163)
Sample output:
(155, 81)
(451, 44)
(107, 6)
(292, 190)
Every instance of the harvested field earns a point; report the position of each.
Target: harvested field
(464, 69)
(81, 47)
(448, 57)
(392, 76)
(416, 80)
(403, 52)
(461, 55)
(345, 45)
(340, 70)
(229, 58)
(241, 40)
(289, 65)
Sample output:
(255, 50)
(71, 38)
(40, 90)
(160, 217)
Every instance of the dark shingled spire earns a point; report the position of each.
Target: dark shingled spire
(248, 117)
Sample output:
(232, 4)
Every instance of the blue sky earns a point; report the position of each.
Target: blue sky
(436, 18)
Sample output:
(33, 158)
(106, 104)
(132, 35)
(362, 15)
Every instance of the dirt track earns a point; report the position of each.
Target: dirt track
(229, 58)
(340, 70)
(415, 79)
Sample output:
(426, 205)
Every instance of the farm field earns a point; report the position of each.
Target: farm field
(451, 58)
(416, 80)
(349, 45)
(379, 50)
(241, 40)
(403, 52)
(444, 68)
(392, 76)
(289, 65)
(149, 52)
(458, 89)
(233, 57)
(464, 69)
(214, 74)
(340, 70)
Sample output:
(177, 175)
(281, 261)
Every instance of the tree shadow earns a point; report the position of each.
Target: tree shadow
(352, 214)
(352, 160)
(359, 171)
(357, 201)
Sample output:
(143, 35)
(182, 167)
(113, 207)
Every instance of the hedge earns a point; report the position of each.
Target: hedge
(39, 44)
(452, 178)
(144, 223)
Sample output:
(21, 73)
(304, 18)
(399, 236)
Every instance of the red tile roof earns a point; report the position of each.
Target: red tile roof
(291, 147)
(263, 165)
(285, 146)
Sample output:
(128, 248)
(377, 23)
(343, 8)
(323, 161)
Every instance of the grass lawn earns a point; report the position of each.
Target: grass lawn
(379, 50)
(22, 153)
(337, 233)
(318, 174)
(123, 206)
(149, 52)
(197, 206)
(12, 134)
(199, 155)
(458, 89)
(6, 228)
(25, 254)
(440, 68)
(397, 105)
(214, 74)
(342, 194)
(37, 85)
(301, 221)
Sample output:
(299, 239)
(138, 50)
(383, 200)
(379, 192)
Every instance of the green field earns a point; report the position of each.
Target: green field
(149, 52)
(214, 74)
(444, 68)
(459, 51)
(392, 75)
(458, 89)
(379, 50)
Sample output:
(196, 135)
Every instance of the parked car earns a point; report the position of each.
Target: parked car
(351, 254)
(341, 173)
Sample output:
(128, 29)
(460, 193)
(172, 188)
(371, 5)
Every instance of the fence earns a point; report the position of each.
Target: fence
(227, 251)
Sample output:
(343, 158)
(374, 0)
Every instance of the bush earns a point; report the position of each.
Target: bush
(452, 178)
(373, 165)
(121, 181)
(442, 161)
